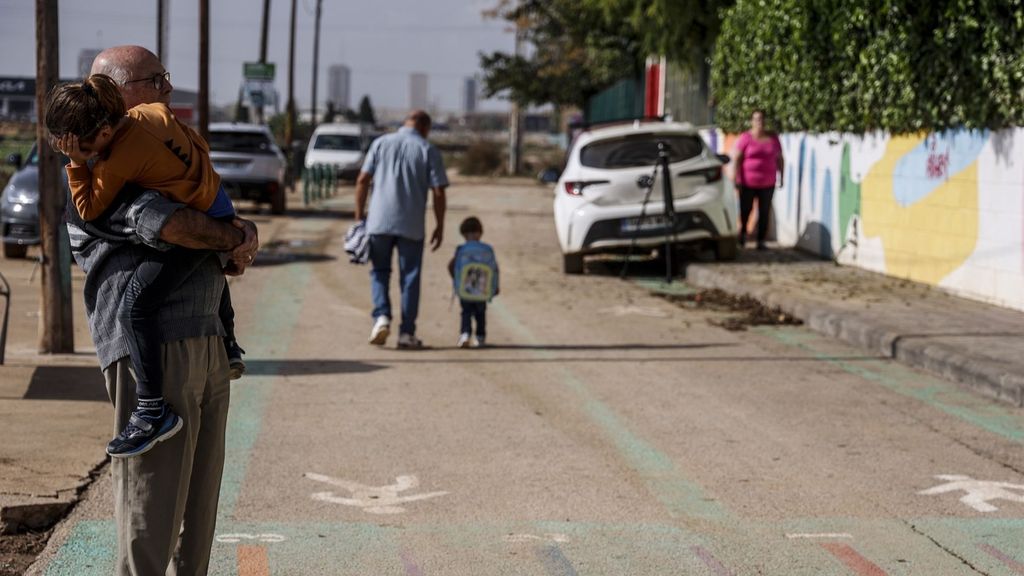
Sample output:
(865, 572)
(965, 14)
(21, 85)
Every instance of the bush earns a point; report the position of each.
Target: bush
(860, 65)
(482, 158)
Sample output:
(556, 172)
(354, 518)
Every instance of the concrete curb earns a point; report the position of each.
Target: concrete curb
(985, 375)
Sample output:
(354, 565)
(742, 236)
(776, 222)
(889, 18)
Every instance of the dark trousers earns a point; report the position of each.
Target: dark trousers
(154, 280)
(474, 311)
(764, 210)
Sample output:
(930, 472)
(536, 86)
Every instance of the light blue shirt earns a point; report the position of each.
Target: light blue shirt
(404, 167)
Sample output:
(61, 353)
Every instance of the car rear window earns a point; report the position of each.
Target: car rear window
(638, 150)
(251, 142)
(338, 142)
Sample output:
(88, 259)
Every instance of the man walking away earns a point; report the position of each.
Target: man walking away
(402, 167)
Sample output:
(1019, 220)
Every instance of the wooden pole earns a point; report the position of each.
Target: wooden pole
(204, 69)
(264, 34)
(161, 29)
(289, 121)
(316, 57)
(56, 333)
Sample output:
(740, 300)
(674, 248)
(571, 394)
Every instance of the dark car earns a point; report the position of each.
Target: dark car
(19, 207)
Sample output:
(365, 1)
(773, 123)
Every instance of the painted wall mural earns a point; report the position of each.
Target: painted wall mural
(946, 209)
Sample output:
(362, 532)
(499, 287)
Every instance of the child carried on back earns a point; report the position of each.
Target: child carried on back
(110, 147)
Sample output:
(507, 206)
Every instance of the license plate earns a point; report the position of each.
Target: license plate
(229, 165)
(648, 223)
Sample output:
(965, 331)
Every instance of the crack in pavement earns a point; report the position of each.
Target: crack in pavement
(963, 560)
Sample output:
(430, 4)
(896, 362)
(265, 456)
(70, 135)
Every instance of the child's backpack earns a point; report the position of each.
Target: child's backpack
(476, 272)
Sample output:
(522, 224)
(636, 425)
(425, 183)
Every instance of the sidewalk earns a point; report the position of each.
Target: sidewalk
(969, 342)
(55, 417)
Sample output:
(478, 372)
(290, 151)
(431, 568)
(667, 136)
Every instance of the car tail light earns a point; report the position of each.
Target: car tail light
(575, 188)
(710, 174)
(272, 187)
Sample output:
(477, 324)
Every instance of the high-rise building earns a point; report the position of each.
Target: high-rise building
(469, 95)
(418, 91)
(339, 85)
(85, 58)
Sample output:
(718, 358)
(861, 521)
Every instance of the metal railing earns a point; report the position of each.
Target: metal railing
(320, 181)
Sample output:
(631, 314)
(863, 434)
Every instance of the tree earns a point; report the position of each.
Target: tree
(573, 53)
(331, 113)
(366, 113)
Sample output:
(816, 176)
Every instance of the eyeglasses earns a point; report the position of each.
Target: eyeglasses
(158, 80)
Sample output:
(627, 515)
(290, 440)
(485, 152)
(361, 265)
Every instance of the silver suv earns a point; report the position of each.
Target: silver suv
(250, 165)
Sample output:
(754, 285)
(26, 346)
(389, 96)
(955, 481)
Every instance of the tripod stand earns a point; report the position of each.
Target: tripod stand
(669, 209)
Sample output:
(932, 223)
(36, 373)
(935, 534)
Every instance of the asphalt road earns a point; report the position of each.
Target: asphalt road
(607, 431)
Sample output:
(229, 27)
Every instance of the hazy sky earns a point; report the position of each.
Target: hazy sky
(382, 41)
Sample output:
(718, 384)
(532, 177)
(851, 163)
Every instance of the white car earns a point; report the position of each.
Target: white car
(250, 164)
(600, 195)
(338, 145)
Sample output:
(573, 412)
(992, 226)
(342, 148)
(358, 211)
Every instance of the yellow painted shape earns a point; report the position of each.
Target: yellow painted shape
(931, 238)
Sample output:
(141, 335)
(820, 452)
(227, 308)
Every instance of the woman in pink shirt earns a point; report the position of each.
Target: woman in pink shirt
(758, 162)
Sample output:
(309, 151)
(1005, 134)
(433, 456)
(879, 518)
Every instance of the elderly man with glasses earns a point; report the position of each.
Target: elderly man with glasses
(165, 501)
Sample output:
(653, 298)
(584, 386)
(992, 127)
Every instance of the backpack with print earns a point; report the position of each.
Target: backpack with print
(476, 272)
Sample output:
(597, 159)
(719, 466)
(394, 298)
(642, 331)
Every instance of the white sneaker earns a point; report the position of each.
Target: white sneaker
(381, 331)
(478, 342)
(409, 342)
(464, 340)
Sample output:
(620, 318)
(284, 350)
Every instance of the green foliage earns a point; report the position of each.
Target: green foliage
(577, 48)
(366, 113)
(861, 65)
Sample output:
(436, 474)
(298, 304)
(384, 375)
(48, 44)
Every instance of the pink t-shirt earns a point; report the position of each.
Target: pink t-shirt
(760, 160)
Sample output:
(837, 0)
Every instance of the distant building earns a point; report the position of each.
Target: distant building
(339, 86)
(469, 95)
(85, 58)
(418, 91)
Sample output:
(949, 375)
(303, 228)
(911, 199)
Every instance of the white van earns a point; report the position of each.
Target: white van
(338, 145)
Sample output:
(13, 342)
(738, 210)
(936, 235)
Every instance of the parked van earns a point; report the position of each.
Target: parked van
(338, 145)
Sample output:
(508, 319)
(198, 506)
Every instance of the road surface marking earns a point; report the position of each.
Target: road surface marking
(853, 560)
(252, 561)
(516, 538)
(372, 499)
(411, 569)
(978, 492)
(635, 311)
(710, 561)
(821, 535)
(236, 538)
(555, 563)
(998, 554)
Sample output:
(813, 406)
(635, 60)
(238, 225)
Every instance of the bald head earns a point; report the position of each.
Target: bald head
(130, 66)
(420, 121)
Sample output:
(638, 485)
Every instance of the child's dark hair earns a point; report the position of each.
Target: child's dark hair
(471, 225)
(82, 108)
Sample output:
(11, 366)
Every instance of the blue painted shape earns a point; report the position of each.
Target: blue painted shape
(555, 563)
(89, 550)
(911, 179)
(826, 214)
(813, 184)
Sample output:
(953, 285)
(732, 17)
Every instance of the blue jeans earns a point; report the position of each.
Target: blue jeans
(410, 260)
(474, 311)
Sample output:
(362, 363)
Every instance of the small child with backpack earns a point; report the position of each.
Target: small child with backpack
(474, 271)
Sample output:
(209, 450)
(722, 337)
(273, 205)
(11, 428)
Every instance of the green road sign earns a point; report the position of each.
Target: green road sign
(258, 71)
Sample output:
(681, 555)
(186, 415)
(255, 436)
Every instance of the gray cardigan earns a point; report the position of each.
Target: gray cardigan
(110, 255)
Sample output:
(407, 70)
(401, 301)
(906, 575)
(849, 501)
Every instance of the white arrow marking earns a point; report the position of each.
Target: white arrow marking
(236, 538)
(372, 499)
(978, 492)
(517, 538)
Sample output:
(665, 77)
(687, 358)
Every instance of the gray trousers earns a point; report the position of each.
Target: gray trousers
(165, 501)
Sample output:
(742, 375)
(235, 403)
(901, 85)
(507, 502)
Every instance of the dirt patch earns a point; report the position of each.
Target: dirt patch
(746, 311)
(18, 551)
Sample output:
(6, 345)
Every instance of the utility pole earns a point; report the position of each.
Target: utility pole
(204, 69)
(316, 56)
(289, 121)
(515, 136)
(56, 333)
(161, 29)
(263, 50)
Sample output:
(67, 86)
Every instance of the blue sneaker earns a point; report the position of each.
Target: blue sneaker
(143, 432)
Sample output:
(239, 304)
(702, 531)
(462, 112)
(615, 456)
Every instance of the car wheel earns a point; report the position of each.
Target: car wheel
(572, 263)
(727, 249)
(278, 201)
(13, 251)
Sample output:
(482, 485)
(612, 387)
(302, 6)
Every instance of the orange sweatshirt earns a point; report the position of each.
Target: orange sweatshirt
(154, 150)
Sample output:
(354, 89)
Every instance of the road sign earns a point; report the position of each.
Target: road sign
(258, 71)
